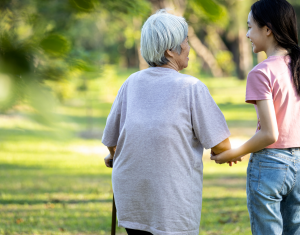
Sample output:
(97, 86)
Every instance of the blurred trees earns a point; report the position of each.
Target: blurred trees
(55, 42)
(213, 27)
(204, 18)
(234, 36)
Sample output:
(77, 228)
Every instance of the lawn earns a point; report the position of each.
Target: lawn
(55, 181)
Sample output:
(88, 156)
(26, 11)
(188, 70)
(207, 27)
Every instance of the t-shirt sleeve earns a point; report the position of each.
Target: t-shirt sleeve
(112, 127)
(208, 121)
(258, 87)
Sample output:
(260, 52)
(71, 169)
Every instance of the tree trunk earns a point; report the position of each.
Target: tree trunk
(245, 55)
(137, 27)
(204, 53)
(216, 43)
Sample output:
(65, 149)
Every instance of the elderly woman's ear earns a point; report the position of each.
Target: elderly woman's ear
(169, 53)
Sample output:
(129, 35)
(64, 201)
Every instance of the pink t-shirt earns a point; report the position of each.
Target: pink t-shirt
(272, 79)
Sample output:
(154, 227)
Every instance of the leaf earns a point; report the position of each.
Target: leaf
(83, 5)
(4, 4)
(55, 45)
(14, 57)
(129, 7)
(210, 7)
(53, 73)
(213, 11)
(82, 65)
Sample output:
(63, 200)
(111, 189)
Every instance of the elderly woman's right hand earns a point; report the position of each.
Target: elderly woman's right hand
(106, 160)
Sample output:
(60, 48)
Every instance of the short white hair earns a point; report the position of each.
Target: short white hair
(162, 31)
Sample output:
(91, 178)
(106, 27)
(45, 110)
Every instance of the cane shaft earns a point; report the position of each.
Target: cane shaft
(114, 210)
(114, 218)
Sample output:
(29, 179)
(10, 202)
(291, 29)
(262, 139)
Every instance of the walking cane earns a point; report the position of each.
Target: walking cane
(114, 210)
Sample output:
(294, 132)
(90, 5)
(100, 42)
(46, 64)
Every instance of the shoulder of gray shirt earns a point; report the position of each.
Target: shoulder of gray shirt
(185, 78)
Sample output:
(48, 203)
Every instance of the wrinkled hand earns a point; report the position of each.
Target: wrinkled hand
(229, 162)
(106, 160)
(227, 156)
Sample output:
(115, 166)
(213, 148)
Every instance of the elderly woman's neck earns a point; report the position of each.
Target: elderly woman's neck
(170, 65)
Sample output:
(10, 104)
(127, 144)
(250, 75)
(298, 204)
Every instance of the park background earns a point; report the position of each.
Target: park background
(61, 65)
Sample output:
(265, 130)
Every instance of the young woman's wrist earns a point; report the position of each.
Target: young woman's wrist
(238, 152)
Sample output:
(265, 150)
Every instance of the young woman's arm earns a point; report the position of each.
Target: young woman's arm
(221, 147)
(267, 135)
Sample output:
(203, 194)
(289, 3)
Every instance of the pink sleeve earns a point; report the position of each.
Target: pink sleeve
(258, 87)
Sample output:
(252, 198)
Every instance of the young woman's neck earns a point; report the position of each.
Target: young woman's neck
(274, 50)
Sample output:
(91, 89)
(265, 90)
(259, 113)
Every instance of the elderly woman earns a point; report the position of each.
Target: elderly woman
(156, 131)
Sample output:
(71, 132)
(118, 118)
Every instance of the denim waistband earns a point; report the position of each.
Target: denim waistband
(290, 149)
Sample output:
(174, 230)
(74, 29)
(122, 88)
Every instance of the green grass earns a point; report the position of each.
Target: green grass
(224, 208)
(48, 187)
(53, 182)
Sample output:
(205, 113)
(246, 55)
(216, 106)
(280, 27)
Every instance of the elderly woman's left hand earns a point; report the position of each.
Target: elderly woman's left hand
(106, 160)
(226, 156)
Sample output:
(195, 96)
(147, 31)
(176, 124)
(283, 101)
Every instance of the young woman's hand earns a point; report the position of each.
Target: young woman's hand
(229, 162)
(238, 159)
(227, 156)
(106, 160)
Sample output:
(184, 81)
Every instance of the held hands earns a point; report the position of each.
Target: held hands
(228, 156)
(106, 160)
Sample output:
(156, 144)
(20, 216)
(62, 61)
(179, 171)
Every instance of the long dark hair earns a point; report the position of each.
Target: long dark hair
(280, 17)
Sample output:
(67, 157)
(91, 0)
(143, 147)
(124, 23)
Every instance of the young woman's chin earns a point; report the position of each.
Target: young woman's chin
(255, 50)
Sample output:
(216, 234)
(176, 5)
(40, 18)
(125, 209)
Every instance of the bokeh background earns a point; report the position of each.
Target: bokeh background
(61, 65)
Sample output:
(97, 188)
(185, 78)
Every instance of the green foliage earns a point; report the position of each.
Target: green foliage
(55, 45)
(128, 7)
(10, 92)
(83, 5)
(131, 36)
(194, 64)
(15, 57)
(225, 61)
(210, 7)
(58, 41)
(15, 65)
(208, 12)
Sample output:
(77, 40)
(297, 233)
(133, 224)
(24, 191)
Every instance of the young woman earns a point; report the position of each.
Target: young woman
(273, 86)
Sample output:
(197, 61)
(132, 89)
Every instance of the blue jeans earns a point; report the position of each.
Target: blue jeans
(273, 191)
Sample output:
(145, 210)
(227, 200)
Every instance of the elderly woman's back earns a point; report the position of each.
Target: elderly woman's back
(160, 122)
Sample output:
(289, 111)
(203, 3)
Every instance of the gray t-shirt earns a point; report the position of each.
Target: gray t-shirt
(160, 122)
